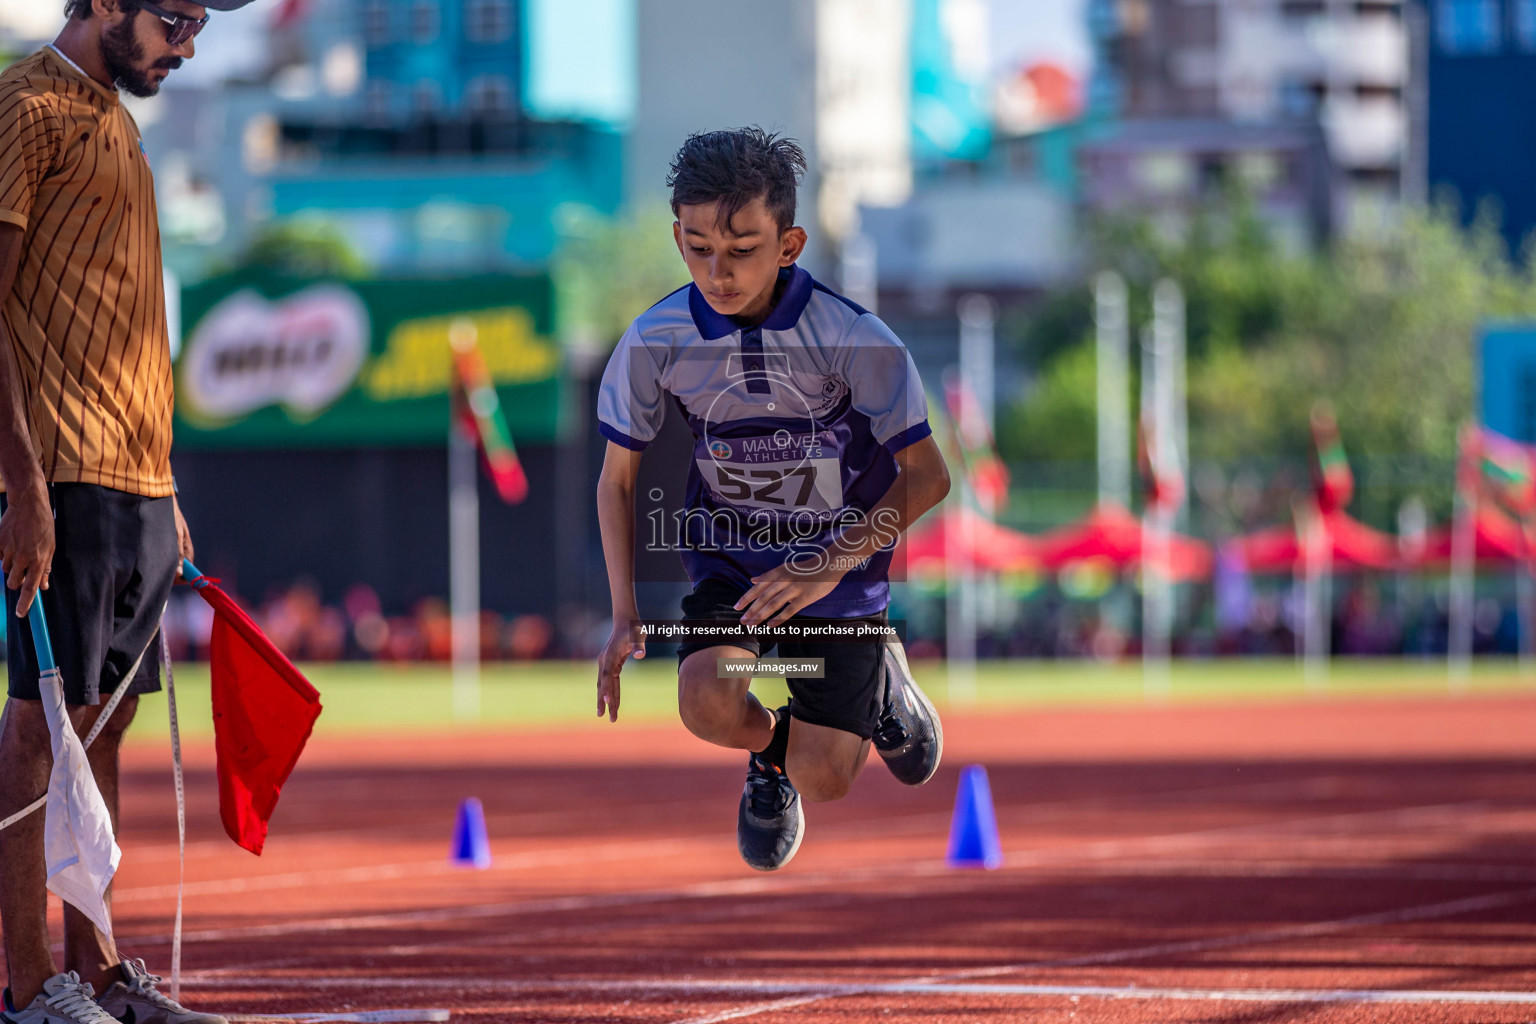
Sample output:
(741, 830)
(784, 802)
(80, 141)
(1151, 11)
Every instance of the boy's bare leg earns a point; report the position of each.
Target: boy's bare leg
(823, 761)
(725, 712)
(26, 757)
(86, 951)
(722, 711)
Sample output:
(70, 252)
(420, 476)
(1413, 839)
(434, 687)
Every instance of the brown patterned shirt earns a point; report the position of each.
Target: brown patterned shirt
(87, 313)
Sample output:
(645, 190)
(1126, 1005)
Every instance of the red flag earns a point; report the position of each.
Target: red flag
(1508, 469)
(988, 475)
(263, 712)
(1162, 480)
(480, 414)
(1332, 479)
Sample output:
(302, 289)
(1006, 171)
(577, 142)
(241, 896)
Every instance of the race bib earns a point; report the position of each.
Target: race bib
(780, 472)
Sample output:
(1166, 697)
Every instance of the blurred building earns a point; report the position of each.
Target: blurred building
(427, 59)
(998, 234)
(438, 135)
(1481, 56)
(993, 184)
(1170, 168)
(1342, 64)
(832, 74)
(874, 91)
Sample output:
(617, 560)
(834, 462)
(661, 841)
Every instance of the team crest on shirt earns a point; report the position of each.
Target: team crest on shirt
(833, 390)
(719, 449)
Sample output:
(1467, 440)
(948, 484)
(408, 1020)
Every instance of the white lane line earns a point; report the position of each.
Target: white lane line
(1420, 913)
(360, 1017)
(563, 904)
(757, 1008)
(416, 869)
(800, 994)
(1330, 786)
(717, 913)
(1425, 912)
(1099, 850)
(958, 982)
(1247, 995)
(1314, 870)
(1108, 849)
(783, 903)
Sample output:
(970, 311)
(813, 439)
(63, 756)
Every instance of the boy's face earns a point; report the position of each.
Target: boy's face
(736, 267)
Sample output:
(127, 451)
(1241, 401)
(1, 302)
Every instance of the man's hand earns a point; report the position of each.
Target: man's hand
(622, 642)
(780, 593)
(183, 535)
(26, 545)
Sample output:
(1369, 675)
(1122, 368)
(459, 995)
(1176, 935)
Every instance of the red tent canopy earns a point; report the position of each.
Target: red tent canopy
(1112, 534)
(1354, 546)
(992, 547)
(1498, 541)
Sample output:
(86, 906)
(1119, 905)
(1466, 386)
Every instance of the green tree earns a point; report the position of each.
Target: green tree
(303, 247)
(1381, 324)
(609, 270)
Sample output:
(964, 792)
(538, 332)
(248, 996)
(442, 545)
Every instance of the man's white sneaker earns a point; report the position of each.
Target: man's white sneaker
(65, 999)
(135, 1000)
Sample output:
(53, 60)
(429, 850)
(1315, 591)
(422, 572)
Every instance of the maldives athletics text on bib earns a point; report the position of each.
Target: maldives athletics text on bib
(787, 471)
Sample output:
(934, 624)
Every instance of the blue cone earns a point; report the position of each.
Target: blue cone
(471, 845)
(973, 841)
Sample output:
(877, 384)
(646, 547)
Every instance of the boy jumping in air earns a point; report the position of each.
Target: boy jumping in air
(812, 452)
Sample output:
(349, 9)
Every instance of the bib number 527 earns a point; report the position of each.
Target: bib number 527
(765, 485)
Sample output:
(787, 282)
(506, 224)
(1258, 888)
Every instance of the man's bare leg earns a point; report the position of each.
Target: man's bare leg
(86, 951)
(26, 757)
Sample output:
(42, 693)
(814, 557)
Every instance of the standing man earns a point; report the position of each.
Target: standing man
(90, 524)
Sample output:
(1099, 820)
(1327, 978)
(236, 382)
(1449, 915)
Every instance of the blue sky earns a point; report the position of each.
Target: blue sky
(1025, 31)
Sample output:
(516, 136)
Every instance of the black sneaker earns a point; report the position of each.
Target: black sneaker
(909, 735)
(768, 823)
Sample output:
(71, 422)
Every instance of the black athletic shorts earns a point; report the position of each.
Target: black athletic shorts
(853, 690)
(114, 561)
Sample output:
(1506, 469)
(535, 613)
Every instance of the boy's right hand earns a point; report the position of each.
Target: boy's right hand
(624, 640)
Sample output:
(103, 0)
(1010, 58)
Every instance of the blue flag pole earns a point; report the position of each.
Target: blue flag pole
(40, 640)
(190, 574)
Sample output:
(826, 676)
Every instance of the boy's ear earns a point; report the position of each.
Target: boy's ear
(791, 244)
(677, 236)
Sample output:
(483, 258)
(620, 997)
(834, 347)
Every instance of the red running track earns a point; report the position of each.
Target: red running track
(1367, 860)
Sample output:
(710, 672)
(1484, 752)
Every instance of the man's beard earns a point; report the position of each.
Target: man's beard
(121, 52)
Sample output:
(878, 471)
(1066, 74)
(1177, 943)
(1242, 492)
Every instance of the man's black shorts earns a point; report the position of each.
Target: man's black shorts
(114, 561)
(852, 693)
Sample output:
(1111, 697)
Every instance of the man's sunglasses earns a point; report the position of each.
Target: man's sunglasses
(178, 28)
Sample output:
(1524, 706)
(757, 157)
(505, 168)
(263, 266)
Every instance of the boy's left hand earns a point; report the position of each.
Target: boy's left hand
(782, 592)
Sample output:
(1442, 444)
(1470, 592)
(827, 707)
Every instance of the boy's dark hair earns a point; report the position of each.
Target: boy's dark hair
(735, 167)
(77, 9)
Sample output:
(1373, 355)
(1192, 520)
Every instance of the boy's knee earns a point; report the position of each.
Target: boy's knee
(707, 716)
(819, 782)
(709, 707)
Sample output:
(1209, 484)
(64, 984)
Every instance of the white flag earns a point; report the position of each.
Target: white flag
(81, 853)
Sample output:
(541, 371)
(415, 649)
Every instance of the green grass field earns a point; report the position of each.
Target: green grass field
(365, 697)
